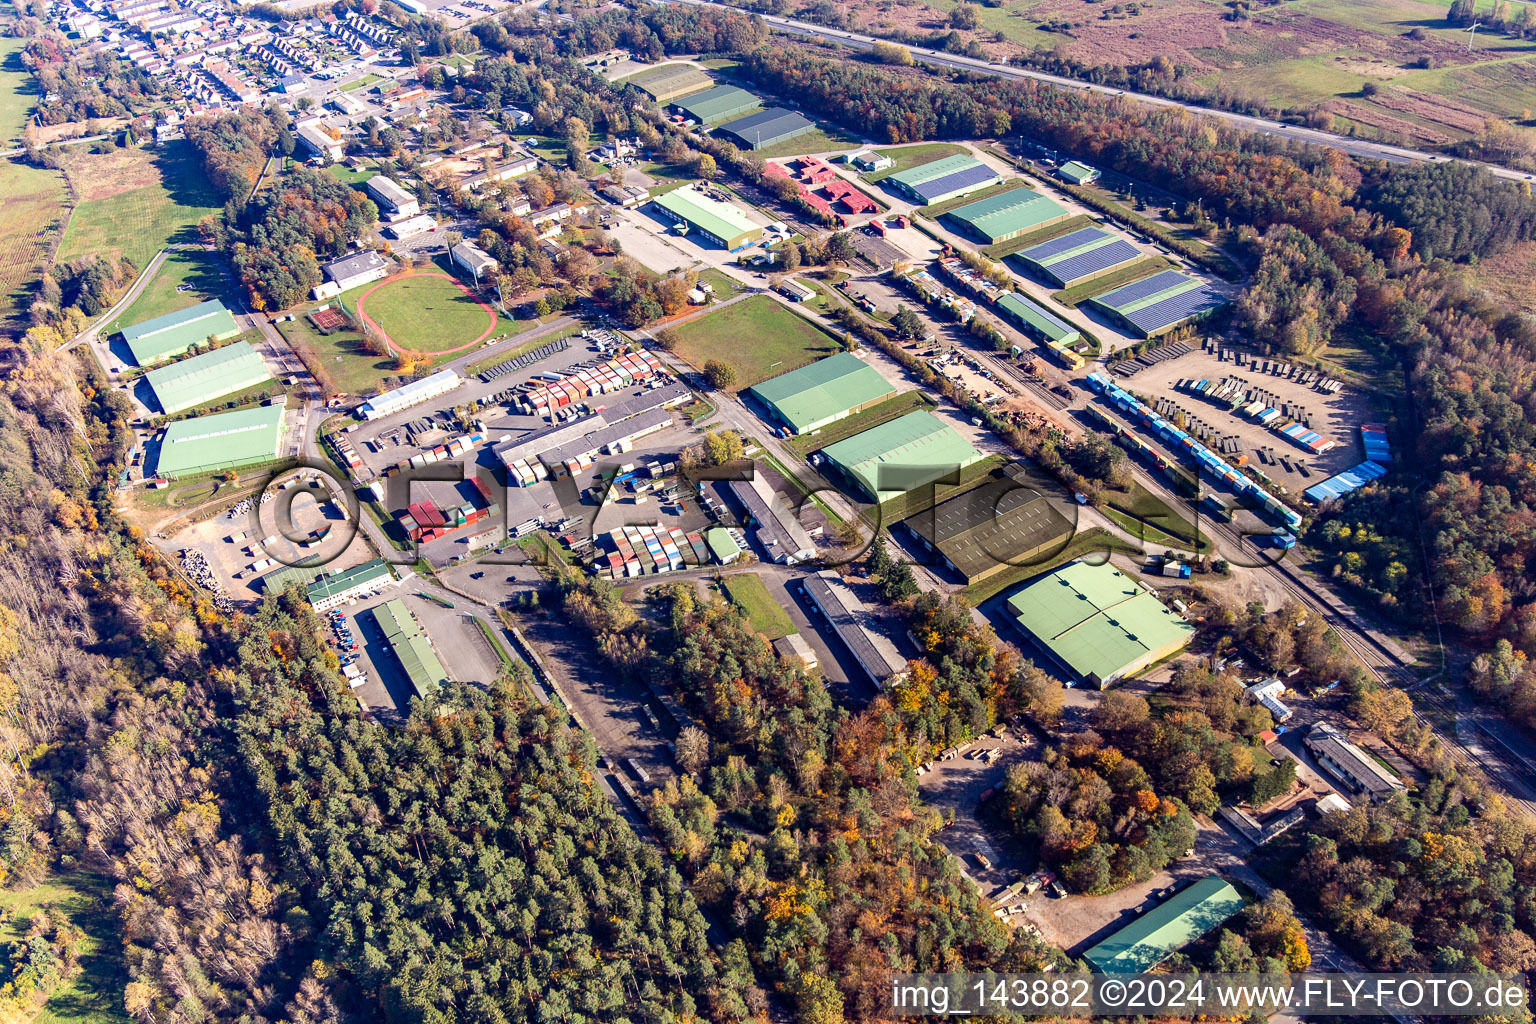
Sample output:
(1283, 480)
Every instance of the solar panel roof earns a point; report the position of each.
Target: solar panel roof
(1175, 308)
(963, 178)
(1094, 260)
(1145, 288)
(1056, 246)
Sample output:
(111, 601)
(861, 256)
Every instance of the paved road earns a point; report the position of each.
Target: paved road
(1354, 147)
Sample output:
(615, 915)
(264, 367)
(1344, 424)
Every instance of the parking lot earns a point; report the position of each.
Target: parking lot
(1337, 416)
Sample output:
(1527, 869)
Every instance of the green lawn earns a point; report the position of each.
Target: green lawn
(345, 174)
(1144, 514)
(427, 314)
(355, 370)
(747, 592)
(726, 286)
(138, 221)
(201, 271)
(1070, 297)
(759, 337)
(908, 157)
(1045, 234)
(18, 89)
(897, 405)
(361, 83)
(94, 994)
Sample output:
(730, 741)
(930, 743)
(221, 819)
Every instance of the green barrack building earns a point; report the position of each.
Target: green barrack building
(717, 222)
(891, 459)
(721, 103)
(205, 378)
(411, 647)
(1098, 624)
(226, 440)
(1008, 215)
(824, 392)
(174, 333)
(1037, 321)
(1183, 918)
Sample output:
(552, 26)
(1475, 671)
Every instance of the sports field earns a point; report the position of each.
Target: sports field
(133, 202)
(32, 200)
(426, 311)
(757, 336)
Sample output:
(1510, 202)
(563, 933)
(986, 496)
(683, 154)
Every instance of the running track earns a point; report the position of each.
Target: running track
(362, 299)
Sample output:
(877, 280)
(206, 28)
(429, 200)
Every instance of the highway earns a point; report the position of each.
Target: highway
(1298, 133)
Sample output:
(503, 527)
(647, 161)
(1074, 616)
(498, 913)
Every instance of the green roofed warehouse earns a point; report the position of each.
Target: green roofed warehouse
(1008, 215)
(226, 440)
(174, 333)
(205, 378)
(907, 452)
(1185, 917)
(411, 647)
(939, 180)
(693, 212)
(825, 391)
(1099, 624)
(721, 103)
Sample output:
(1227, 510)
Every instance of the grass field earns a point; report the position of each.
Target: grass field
(32, 200)
(758, 337)
(134, 202)
(200, 271)
(427, 314)
(822, 140)
(897, 405)
(726, 287)
(1070, 297)
(361, 83)
(94, 994)
(347, 175)
(356, 370)
(747, 592)
(907, 157)
(18, 89)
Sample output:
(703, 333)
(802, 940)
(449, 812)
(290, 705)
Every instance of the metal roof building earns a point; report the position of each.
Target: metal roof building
(774, 525)
(1078, 256)
(1346, 762)
(721, 223)
(667, 82)
(417, 391)
(722, 545)
(721, 103)
(949, 177)
(1075, 172)
(876, 655)
(226, 440)
(411, 647)
(904, 453)
(392, 197)
(1098, 623)
(1008, 215)
(999, 525)
(1037, 321)
(174, 333)
(1159, 303)
(1168, 927)
(823, 392)
(203, 378)
(337, 588)
(767, 127)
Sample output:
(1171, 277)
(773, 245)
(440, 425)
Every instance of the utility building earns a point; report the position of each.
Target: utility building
(824, 392)
(854, 625)
(411, 647)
